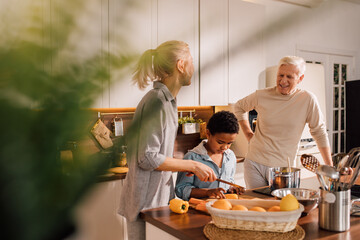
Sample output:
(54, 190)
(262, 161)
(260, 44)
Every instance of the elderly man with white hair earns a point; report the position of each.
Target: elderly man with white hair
(283, 111)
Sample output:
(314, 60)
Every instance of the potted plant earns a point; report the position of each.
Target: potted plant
(190, 125)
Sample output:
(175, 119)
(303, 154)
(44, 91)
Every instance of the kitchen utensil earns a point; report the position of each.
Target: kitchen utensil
(345, 175)
(337, 158)
(288, 162)
(342, 162)
(329, 176)
(355, 207)
(307, 197)
(242, 189)
(327, 171)
(334, 210)
(354, 164)
(309, 162)
(322, 182)
(283, 177)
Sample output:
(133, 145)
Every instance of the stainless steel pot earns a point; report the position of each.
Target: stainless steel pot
(284, 177)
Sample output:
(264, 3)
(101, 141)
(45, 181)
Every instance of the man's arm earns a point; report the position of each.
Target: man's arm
(245, 127)
(326, 155)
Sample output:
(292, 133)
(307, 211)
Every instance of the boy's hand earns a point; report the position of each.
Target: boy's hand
(215, 193)
(236, 190)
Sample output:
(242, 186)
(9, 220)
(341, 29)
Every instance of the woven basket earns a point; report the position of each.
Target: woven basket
(282, 221)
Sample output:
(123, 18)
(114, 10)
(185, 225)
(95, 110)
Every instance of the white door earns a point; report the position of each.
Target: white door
(338, 69)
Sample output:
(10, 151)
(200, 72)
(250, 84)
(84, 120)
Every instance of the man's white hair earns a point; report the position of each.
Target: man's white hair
(294, 60)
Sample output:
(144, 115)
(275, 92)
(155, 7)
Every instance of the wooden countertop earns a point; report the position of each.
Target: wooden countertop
(190, 225)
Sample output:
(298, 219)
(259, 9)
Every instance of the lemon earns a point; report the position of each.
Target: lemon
(289, 203)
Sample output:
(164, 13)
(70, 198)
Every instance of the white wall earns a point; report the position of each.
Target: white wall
(332, 25)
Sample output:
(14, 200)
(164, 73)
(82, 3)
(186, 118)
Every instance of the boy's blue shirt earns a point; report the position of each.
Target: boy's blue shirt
(184, 184)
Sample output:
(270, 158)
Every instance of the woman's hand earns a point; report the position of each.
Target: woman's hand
(204, 172)
(215, 193)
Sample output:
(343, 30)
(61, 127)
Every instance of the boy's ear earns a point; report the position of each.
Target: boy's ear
(208, 134)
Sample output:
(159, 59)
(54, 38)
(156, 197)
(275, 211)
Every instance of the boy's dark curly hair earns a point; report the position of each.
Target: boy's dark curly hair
(223, 122)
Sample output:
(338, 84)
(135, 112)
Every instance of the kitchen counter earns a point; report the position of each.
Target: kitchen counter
(111, 177)
(190, 225)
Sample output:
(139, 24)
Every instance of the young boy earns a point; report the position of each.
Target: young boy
(215, 152)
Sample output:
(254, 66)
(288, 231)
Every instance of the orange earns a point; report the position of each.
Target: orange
(239, 207)
(257, 209)
(231, 196)
(275, 208)
(222, 204)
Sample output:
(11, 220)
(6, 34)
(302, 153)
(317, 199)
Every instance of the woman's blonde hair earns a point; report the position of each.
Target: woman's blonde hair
(157, 64)
(294, 60)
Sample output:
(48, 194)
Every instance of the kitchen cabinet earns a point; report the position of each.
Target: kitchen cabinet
(225, 40)
(213, 52)
(178, 20)
(130, 33)
(246, 48)
(96, 216)
(134, 29)
(231, 50)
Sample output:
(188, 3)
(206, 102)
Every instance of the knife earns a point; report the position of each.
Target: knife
(242, 189)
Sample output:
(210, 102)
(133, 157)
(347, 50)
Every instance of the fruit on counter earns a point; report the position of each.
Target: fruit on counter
(179, 205)
(289, 203)
(231, 196)
(195, 201)
(201, 207)
(240, 208)
(275, 208)
(257, 209)
(222, 204)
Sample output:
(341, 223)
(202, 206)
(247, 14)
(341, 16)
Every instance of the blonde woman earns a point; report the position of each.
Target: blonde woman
(149, 182)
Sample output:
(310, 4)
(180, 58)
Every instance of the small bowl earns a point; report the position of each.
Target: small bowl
(307, 197)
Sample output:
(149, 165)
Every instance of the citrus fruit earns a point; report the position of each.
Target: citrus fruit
(231, 196)
(289, 203)
(222, 204)
(239, 207)
(275, 208)
(257, 209)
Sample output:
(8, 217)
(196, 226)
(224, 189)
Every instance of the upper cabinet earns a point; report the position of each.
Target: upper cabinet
(231, 50)
(130, 33)
(213, 52)
(225, 40)
(246, 48)
(178, 20)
